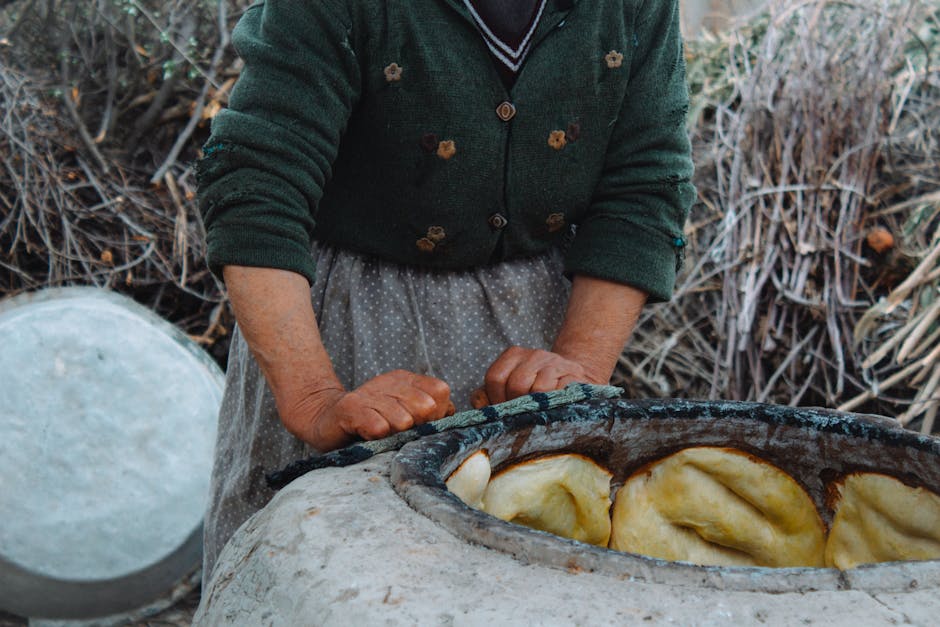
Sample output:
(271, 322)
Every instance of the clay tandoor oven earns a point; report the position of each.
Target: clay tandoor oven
(813, 446)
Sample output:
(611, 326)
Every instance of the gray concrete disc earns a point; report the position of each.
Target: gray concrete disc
(107, 428)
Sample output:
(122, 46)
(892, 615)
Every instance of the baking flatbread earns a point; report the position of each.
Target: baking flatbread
(880, 519)
(568, 495)
(470, 479)
(718, 506)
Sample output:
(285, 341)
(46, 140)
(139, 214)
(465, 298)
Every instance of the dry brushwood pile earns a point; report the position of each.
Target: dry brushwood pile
(103, 106)
(812, 268)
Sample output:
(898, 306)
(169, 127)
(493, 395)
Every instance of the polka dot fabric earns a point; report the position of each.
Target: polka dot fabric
(375, 317)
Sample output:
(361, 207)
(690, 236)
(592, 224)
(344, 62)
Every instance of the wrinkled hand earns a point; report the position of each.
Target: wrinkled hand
(520, 371)
(391, 402)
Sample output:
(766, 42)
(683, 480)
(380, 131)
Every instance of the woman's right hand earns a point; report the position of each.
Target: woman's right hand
(395, 401)
(276, 317)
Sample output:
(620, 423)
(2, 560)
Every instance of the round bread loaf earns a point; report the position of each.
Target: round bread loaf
(568, 495)
(718, 506)
(880, 519)
(469, 481)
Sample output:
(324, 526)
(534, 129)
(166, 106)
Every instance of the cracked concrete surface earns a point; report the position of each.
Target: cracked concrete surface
(340, 547)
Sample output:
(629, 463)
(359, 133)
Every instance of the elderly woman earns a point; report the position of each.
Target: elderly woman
(412, 199)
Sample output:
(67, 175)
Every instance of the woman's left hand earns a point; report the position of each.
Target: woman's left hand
(600, 317)
(520, 371)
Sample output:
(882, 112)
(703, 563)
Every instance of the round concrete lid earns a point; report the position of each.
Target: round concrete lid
(107, 427)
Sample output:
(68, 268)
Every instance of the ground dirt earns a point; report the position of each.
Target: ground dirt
(179, 615)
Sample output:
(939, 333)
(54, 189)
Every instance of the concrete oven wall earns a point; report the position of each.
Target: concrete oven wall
(339, 547)
(383, 542)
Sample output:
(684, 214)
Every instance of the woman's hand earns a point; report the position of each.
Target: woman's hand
(391, 402)
(276, 317)
(600, 318)
(521, 371)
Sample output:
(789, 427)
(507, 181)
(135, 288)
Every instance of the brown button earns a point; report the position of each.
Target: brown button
(436, 233)
(498, 221)
(506, 111)
(555, 222)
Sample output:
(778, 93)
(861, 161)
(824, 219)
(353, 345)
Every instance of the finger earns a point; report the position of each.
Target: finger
(397, 415)
(451, 409)
(418, 403)
(566, 380)
(521, 379)
(498, 373)
(369, 424)
(437, 390)
(425, 398)
(479, 399)
(547, 380)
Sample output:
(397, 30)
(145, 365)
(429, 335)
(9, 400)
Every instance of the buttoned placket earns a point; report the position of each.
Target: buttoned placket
(553, 18)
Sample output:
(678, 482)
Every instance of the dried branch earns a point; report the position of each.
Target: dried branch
(811, 124)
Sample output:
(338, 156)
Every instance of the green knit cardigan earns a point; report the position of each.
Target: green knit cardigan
(383, 127)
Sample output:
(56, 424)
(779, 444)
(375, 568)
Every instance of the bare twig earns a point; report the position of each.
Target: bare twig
(183, 139)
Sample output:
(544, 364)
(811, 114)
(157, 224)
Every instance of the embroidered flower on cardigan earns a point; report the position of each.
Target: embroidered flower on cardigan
(446, 149)
(436, 233)
(393, 72)
(556, 139)
(425, 245)
(614, 59)
(555, 222)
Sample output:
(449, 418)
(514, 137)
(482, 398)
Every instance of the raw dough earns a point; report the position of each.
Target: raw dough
(469, 481)
(718, 506)
(568, 495)
(880, 519)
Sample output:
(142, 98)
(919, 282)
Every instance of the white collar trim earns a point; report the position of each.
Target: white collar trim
(509, 56)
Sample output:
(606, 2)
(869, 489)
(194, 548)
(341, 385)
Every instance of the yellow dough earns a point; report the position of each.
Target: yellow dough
(469, 481)
(718, 506)
(568, 495)
(880, 519)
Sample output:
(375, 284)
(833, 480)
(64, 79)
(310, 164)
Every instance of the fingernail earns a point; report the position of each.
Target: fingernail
(478, 398)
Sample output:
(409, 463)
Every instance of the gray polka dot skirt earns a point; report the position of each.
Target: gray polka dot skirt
(375, 317)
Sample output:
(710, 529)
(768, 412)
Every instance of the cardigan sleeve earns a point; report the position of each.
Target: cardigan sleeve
(632, 232)
(270, 152)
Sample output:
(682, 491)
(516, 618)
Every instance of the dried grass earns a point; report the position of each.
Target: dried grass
(102, 108)
(812, 125)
